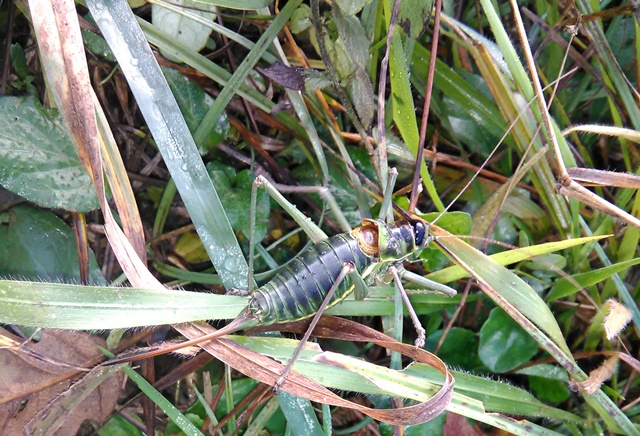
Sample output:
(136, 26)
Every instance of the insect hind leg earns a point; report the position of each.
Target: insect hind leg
(347, 268)
(312, 230)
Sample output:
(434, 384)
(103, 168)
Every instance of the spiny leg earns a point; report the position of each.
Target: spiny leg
(420, 340)
(438, 288)
(312, 230)
(346, 269)
(387, 213)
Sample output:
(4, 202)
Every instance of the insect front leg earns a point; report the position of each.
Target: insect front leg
(391, 240)
(420, 340)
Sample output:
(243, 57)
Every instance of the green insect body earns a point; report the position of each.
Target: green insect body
(298, 291)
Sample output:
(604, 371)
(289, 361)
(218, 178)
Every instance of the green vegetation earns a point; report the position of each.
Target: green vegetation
(526, 108)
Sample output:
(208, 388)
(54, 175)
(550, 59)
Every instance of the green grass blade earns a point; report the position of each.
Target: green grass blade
(509, 291)
(159, 400)
(510, 257)
(300, 415)
(417, 382)
(64, 306)
(243, 70)
(404, 112)
(563, 287)
(156, 102)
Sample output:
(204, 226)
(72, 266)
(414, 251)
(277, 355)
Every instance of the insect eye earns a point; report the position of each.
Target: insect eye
(419, 230)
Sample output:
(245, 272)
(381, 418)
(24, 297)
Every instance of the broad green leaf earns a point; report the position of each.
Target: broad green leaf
(235, 194)
(18, 60)
(194, 104)
(351, 7)
(457, 339)
(300, 19)
(414, 16)
(37, 159)
(117, 425)
(552, 391)
(340, 57)
(183, 29)
(456, 223)
(37, 245)
(353, 38)
(361, 92)
(504, 345)
(96, 43)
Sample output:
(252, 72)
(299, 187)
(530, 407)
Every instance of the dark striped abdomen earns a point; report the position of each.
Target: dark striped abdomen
(298, 291)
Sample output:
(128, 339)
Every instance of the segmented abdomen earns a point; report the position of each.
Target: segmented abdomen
(298, 291)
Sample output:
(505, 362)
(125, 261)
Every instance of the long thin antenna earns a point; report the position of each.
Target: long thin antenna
(426, 108)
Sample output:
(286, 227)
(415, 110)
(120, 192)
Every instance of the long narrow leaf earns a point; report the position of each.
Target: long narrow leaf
(127, 42)
(65, 306)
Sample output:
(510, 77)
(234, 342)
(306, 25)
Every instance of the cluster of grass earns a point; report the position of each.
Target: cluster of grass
(518, 100)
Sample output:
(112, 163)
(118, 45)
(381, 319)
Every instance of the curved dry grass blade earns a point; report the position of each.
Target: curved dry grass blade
(264, 369)
(60, 43)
